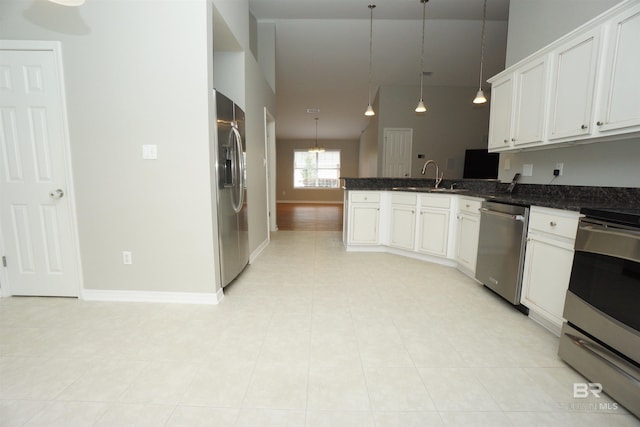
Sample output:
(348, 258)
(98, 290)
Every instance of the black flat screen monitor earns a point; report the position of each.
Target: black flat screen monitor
(480, 164)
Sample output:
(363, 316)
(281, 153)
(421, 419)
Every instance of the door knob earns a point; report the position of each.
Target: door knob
(57, 194)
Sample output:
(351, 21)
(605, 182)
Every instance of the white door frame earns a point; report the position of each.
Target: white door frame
(270, 153)
(56, 48)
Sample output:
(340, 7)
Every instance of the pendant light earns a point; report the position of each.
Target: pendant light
(369, 112)
(421, 108)
(315, 148)
(68, 2)
(480, 98)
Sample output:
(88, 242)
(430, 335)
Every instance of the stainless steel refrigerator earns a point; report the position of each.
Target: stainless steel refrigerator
(230, 168)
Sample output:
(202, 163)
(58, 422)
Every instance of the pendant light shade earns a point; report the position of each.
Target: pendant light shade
(480, 98)
(68, 2)
(421, 108)
(369, 112)
(315, 148)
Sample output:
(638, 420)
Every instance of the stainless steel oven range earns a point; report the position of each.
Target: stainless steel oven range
(601, 337)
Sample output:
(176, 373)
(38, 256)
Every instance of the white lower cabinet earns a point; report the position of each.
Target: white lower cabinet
(467, 233)
(363, 220)
(547, 267)
(433, 224)
(403, 220)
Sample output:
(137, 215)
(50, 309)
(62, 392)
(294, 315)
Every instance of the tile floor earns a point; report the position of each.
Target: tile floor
(308, 336)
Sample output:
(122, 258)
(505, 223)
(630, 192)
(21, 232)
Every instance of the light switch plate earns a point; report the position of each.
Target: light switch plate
(527, 169)
(149, 152)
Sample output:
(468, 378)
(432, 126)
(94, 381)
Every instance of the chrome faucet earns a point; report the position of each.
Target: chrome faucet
(439, 175)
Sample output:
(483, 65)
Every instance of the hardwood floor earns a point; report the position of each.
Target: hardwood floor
(309, 217)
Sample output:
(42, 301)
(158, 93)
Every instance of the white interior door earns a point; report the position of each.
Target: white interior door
(396, 156)
(36, 209)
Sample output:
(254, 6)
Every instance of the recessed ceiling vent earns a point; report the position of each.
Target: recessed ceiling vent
(313, 110)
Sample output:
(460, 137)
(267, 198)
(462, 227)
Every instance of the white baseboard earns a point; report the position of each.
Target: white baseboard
(255, 254)
(151, 296)
(545, 322)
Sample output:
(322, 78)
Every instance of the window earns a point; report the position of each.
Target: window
(316, 170)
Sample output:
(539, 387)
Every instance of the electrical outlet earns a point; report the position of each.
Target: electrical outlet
(126, 258)
(507, 164)
(527, 170)
(149, 152)
(559, 168)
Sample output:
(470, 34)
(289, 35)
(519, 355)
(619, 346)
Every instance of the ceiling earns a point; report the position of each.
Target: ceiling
(322, 55)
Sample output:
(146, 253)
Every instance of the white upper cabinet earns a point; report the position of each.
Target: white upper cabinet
(620, 95)
(518, 102)
(501, 111)
(531, 95)
(582, 87)
(573, 86)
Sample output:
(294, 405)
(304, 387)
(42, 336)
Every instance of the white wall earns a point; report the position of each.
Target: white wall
(532, 25)
(451, 124)
(136, 73)
(535, 23)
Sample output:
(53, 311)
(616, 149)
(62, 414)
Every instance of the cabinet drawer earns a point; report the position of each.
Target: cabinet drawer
(470, 206)
(365, 197)
(553, 224)
(403, 199)
(435, 201)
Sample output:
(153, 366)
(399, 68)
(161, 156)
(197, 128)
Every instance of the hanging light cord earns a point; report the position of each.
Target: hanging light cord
(424, 8)
(484, 18)
(371, 6)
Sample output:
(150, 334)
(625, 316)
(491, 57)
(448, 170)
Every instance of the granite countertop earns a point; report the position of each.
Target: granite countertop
(552, 196)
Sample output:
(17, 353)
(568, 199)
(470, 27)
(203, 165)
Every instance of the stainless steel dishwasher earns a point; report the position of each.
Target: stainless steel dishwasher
(503, 232)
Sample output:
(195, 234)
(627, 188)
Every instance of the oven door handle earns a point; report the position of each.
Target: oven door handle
(502, 215)
(591, 349)
(608, 240)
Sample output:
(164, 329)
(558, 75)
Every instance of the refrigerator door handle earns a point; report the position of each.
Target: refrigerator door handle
(240, 169)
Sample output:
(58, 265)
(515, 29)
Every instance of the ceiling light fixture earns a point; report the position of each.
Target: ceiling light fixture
(68, 2)
(480, 98)
(315, 148)
(369, 112)
(421, 108)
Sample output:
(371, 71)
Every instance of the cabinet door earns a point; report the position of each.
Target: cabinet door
(573, 86)
(529, 116)
(403, 219)
(546, 279)
(363, 223)
(468, 232)
(500, 118)
(620, 96)
(434, 231)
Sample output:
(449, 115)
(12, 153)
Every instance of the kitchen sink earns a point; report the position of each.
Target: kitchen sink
(431, 189)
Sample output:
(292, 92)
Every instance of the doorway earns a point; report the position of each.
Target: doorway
(396, 153)
(37, 208)
(310, 216)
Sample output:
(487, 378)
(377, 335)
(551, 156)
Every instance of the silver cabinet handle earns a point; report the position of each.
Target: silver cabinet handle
(599, 123)
(57, 194)
(583, 127)
(553, 223)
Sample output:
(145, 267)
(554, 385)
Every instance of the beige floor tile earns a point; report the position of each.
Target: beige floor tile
(337, 388)
(342, 339)
(340, 418)
(277, 386)
(138, 415)
(408, 419)
(193, 416)
(270, 418)
(397, 389)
